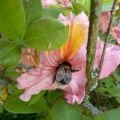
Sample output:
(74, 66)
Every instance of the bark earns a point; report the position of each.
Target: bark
(95, 10)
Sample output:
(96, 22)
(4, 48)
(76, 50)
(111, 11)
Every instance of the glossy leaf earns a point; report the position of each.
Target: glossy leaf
(10, 56)
(110, 115)
(33, 10)
(77, 7)
(63, 110)
(47, 33)
(12, 18)
(52, 97)
(15, 105)
(1, 108)
(51, 12)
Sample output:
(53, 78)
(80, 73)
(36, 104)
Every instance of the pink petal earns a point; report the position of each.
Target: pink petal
(66, 3)
(66, 20)
(79, 19)
(111, 60)
(29, 78)
(44, 83)
(104, 21)
(75, 91)
(46, 3)
(116, 33)
(82, 18)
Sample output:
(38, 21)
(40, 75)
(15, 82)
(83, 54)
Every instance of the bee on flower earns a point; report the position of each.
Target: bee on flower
(64, 68)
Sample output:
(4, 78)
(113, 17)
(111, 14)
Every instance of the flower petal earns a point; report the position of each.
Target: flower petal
(75, 91)
(66, 20)
(46, 3)
(66, 3)
(78, 34)
(111, 59)
(116, 33)
(104, 21)
(29, 78)
(42, 84)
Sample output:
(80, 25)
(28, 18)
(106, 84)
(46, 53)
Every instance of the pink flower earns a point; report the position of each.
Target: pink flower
(116, 33)
(72, 55)
(104, 21)
(66, 3)
(46, 3)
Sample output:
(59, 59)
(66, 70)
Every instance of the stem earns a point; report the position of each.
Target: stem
(107, 36)
(95, 9)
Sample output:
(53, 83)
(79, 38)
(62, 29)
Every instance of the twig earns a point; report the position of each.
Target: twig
(107, 36)
(95, 9)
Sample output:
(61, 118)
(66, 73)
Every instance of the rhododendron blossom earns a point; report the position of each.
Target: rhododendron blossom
(73, 52)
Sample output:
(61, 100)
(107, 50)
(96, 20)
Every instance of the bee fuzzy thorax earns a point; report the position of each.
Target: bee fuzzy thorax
(64, 73)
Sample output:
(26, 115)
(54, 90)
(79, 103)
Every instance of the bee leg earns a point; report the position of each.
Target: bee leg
(75, 70)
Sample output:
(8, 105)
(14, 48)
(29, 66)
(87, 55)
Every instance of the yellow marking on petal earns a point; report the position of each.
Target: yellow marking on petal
(77, 35)
(33, 61)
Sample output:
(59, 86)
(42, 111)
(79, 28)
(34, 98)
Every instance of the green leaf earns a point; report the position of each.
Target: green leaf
(86, 6)
(10, 55)
(12, 73)
(118, 99)
(45, 33)
(1, 108)
(62, 110)
(52, 97)
(77, 7)
(33, 10)
(86, 117)
(109, 115)
(12, 18)
(15, 105)
(107, 6)
(36, 98)
(51, 12)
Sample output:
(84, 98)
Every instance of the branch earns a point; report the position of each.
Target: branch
(107, 36)
(95, 9)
